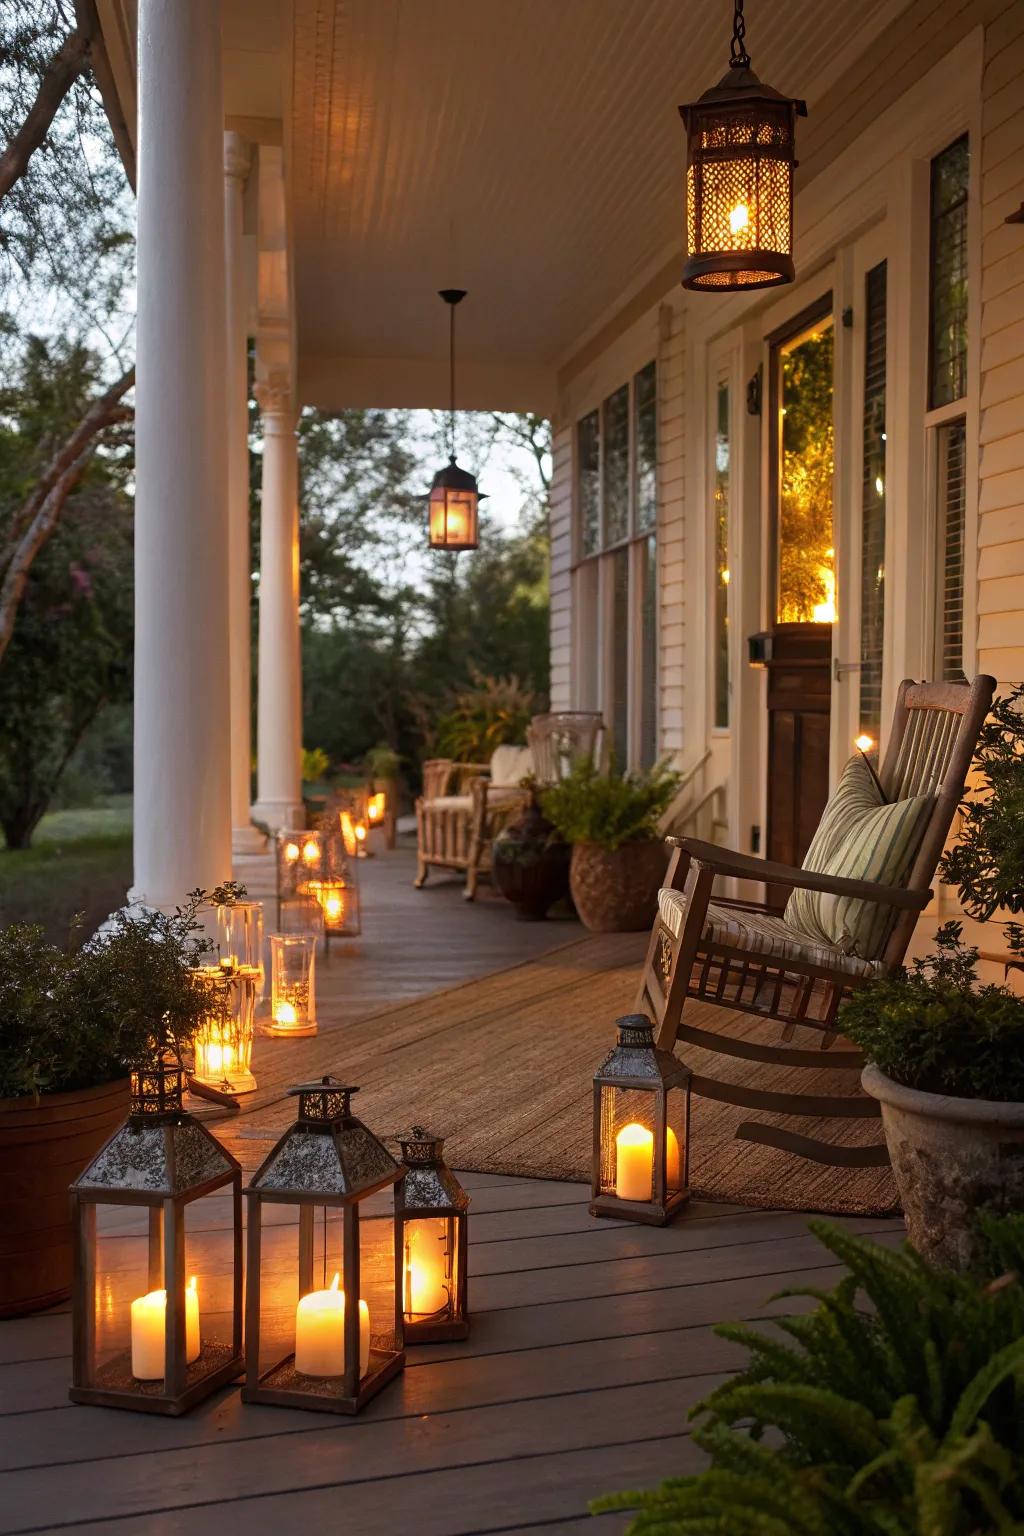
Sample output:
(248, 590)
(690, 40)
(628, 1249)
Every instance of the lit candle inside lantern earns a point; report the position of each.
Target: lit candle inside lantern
(375, 806)
(149, 1321)
(291, 852)
(360, 831)
(284, 1013)
(739, 218)
(334, 907)
(426, 1287)
(215, 1057)
(311, 852)
(634, 1162)
(320, 1333)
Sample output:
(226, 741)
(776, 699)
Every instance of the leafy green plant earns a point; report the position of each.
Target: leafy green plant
(84, 1017)
(933, 1027)
(987, 863)
(315, 764)
(494, 712)
(895, 1408)
(609, 809)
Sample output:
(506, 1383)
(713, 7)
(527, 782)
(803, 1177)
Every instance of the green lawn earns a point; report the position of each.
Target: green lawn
(80, 861)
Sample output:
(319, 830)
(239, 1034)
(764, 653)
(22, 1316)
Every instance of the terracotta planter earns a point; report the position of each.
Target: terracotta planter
(951, 1158)
(528, 866)
(616, 890)
(43, 1147)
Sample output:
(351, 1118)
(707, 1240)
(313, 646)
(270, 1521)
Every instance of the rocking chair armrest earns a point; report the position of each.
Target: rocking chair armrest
(744, 866)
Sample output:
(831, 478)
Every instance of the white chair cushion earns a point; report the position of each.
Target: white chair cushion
(449, 803)
(509, 765)
(762, 932)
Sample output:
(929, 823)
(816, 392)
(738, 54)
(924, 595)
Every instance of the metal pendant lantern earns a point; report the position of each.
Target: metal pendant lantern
(453, 519)
(741, 142)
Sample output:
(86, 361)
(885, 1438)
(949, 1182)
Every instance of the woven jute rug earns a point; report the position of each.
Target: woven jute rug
(503, 1068)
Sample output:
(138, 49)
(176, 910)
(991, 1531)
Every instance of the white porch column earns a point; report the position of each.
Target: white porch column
(237, 162)
(279, 688)
(182, 776)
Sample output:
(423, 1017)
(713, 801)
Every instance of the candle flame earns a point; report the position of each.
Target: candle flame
(864, 743)
(291, 852)
(739, 218)
(336, 1281)
(311, 853)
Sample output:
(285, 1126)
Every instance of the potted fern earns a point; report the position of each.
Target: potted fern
(945, 1054)
(618, 856)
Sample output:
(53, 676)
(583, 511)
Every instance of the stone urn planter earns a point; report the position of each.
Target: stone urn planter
(616, 889)
(950, 1158)
(44, 1144)
(530, 864)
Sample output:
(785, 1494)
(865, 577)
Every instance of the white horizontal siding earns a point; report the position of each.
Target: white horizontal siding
(560, 522)
(671, 530)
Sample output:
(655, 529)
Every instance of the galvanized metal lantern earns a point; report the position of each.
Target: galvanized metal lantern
(741, 145)
(431, 1212)
(157, 1314)
(323, 1318)
(222, 1048)
(641, 1128)
(453, 518)
(293, 984)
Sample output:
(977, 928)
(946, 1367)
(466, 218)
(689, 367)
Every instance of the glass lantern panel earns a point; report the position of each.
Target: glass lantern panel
(677, 1138)
(377, 1279)
(452, 517)
(279, 1282)
(376, 808)
(301, 914)
(627, 1144)
(293, 983)
(209, 1279)
(128, 1268)
(223, 1044)
(240, 938)
(431, 1281)
(339, 904)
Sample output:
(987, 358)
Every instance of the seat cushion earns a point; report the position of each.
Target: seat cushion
(761, 932)
(449, 803)
(510, 765)
(859, 837)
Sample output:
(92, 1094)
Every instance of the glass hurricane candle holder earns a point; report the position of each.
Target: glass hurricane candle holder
(641, 1128)
(157, 1312)
(222, 1048)
(300, 858)
(323, 1314)
(302, 914)
(292, 984)
(239, 929)
(431, 1213)
(376, 808)
(338, 900)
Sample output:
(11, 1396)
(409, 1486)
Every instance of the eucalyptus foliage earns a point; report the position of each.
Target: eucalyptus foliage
(609, 809)
(895, 1408)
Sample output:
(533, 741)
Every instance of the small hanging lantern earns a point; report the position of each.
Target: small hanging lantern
(741, 143)
(430, 1242)
(454, 495)
(337, 1299)
(293, 984)
(641, 1128)
(222, 1048)
(162, 1338)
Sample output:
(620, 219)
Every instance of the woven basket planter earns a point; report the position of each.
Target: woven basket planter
(616, 889)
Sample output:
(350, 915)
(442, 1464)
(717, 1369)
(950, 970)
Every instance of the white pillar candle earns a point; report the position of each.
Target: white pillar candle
(634, 1162)
(426, 1289)
(320, 1333)
(149, 1324)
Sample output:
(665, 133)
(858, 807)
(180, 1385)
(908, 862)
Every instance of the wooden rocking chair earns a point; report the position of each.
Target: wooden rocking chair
(743, 956)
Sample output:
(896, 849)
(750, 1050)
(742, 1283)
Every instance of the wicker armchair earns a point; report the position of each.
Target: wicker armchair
(744, 957)
(462, 809)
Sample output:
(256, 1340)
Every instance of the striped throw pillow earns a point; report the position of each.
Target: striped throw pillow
(861, 838)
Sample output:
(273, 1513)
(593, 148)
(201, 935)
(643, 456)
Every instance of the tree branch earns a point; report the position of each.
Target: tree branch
(38, 519)
(61, 73)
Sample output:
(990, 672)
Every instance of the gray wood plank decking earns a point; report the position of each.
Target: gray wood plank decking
(590, 1341)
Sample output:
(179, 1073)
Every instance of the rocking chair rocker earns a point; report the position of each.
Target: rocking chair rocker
(745, 957)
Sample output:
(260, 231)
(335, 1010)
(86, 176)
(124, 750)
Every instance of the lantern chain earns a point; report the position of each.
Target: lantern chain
(451, 382)
(739, 58)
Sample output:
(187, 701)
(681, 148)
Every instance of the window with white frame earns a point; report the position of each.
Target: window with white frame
(616, 582)
(947, 389)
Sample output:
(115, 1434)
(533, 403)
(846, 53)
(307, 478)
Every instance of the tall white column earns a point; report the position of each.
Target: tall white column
(237, 162)
(182, 802)
(279, 688)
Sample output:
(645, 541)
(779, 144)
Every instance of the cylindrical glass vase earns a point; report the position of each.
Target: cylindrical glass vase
(240, 939)
(223, 1044)
(292, 984)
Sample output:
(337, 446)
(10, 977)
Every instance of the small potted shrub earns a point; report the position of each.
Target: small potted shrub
(530, 861)
(618, 857)
(72, 1026)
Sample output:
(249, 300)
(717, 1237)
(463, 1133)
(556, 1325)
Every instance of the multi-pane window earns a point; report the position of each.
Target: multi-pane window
(946, 420)
(615, 581)
(872, 549)
(720, 571)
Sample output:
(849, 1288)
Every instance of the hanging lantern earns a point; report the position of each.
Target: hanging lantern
(741, 142)
(333, 1306)
(641, 1128)
(293, 984)
(430, 1242)
(454, 495)
(157, 1314)
(222, 1048)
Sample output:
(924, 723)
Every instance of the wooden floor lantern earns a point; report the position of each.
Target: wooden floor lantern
(431, 1209)
(156, 1318)
(641, 1128)
(330, 1315)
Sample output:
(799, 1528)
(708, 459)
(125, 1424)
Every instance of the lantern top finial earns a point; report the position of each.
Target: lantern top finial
(420, 1147)
(635, 1061)
(324, 1103)
(156, 1090)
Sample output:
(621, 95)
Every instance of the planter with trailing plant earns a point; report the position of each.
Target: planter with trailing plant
(894, 1408)
(946, 1054)
(530, 863)
(618, 859)
(72, 1026)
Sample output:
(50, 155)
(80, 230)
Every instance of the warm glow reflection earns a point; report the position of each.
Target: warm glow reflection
(452, 518)
(284, 1013)
(864, 743)
(310, 852)
(739, 217)
(291, 852)
(375, 806)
